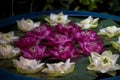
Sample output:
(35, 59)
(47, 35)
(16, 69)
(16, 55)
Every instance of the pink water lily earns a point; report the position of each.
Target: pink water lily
(27, 42)
(88, 36)
(88, 47)
(62, 52)
(65, 29)
(62, 29)
(76, 32)
(42, 32)
(34, 52)
(57, 38)
(81, 35)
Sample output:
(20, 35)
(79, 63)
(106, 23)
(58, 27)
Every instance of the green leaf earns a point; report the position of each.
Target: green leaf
(107, 22)
(18, 33)
(81, 72)
(75, 19)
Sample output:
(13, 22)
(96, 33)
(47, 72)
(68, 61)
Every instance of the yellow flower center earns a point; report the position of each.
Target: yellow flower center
(105, 60)
(59, 19)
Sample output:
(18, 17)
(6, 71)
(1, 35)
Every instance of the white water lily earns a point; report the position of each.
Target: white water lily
(6, 38)
(116, 44)
(88, 23)
(104, 63)
(57, 18)
(110, 31)
(59, 69)
(8, 51)
(28, 66)
(27, 25)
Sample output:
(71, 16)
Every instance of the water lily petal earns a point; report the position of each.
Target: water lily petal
(107, 53)
(109, 31)
(34, 52)
(116, 44)
(27, 66)
(36, 24)
(59, 69)
(115, 57)
(95, 55)
(62, 52)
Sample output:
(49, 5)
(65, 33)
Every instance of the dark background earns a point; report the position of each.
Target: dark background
(16, 7)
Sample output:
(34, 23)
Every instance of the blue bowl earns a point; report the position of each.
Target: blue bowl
(7, 75)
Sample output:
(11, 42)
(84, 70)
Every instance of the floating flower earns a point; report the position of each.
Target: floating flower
(64, 29)
(57, 18)
(27, 41)
(27, 25)
(104, 63)
(6, 38)
(88, 23)
(42, 32)
(7, 51)
(59, 69)
(110, 31)
(88, 47)
(34, 52)
(62, 52)
(116, 44)
(57, 38)
(27, 66)
(89, 35)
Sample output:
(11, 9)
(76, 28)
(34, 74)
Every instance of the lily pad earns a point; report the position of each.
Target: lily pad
(107, 22)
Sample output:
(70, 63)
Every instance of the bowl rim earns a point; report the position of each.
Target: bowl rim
(12, 19)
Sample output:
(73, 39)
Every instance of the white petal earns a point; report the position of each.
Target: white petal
(118, 39)
(64, 17)
(90, 18)
(107, 53)
(95, 55)
(114, 58)
(40, 65)
(37, 24)
(86, 26)
(15, 38)
(50, 67)
(15, 50)
(67, 61)
(3, 42)
(102, 30)
(53, 16)
(111, 29)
